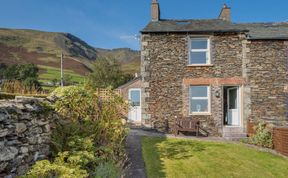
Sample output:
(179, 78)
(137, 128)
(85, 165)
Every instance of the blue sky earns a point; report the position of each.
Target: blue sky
(113, 23)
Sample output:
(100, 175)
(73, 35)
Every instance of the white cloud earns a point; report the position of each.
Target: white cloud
(129, 37)
(130, 40)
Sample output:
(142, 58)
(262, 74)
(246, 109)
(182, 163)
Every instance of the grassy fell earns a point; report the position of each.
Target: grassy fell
(44, 48)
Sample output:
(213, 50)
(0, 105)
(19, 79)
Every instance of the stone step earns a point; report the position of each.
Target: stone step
(234, 133)
(134, 125)
(229, 134)
(234, 138)
(233, 129)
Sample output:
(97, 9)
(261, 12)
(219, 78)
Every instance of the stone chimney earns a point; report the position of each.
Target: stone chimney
(225, 13)
(155, 10)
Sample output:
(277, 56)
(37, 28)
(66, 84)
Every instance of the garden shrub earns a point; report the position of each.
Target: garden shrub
(107, 170)
(263, 136)
(91, 135)
(59, 169)
(6, 96)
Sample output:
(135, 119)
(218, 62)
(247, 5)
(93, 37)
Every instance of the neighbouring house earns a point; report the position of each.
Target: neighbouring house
(215, 71)
(131, 91)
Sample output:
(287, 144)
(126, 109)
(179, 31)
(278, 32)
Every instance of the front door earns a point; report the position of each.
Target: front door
(233, 106)
(135, 105)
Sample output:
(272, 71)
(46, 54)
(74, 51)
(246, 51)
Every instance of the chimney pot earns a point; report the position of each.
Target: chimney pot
(225, 13)
(155, 10)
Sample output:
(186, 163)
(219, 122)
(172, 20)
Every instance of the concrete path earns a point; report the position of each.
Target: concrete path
(136, 166)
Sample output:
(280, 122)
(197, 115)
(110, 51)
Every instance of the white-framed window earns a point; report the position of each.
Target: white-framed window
(199, 99)
(199, 51)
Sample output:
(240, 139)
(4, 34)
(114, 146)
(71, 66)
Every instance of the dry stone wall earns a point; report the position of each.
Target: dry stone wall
(25, 129)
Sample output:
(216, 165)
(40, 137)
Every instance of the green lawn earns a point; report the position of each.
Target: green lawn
(177, 158)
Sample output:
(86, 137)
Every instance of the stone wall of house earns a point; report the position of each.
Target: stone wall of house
(24, 135)
(166, 77)
(268, 78)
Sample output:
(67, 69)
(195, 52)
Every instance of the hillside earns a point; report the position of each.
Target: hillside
(44, 49)
(129, 59)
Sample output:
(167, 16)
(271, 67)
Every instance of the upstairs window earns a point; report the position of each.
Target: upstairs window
(199, 51)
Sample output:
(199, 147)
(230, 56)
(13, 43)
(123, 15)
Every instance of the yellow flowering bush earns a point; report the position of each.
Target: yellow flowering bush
(90, 137)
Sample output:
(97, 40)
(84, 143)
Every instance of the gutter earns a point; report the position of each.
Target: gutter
(196, 32)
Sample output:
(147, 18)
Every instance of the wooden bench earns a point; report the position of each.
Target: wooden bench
(186, 125)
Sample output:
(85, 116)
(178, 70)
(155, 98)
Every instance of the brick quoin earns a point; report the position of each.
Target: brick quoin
(214, 81)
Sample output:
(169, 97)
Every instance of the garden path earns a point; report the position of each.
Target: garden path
(136, 167)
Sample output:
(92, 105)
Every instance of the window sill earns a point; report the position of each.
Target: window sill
(232, 126)
(200, 65)
(200, 114)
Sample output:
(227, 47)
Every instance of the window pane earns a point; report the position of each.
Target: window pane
(233, 99)
(199, 105)
(199, 44)
(135, 98)
(198, 91)
(198, 58)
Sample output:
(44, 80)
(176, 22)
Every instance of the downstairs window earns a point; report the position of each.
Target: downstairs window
(199, 97)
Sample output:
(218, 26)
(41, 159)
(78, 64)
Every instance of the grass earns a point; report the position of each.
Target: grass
(177, 158)
(47, 74)
(55, 73)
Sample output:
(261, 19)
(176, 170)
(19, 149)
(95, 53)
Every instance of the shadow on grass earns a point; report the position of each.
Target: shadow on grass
(156, 150)
(180, 149)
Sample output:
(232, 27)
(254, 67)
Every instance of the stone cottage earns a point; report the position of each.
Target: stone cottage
(131, 91)
(215, 71)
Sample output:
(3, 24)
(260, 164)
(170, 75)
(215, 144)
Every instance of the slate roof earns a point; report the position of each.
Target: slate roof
(266, 30)
(129, 82)
(254, 30)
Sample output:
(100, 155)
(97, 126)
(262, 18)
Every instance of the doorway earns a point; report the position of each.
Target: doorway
(134, 97)
(232, 106)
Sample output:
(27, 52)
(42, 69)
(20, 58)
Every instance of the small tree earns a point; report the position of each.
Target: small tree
(11, 73)
(27, 71)
(20, 77)
(107, 74)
